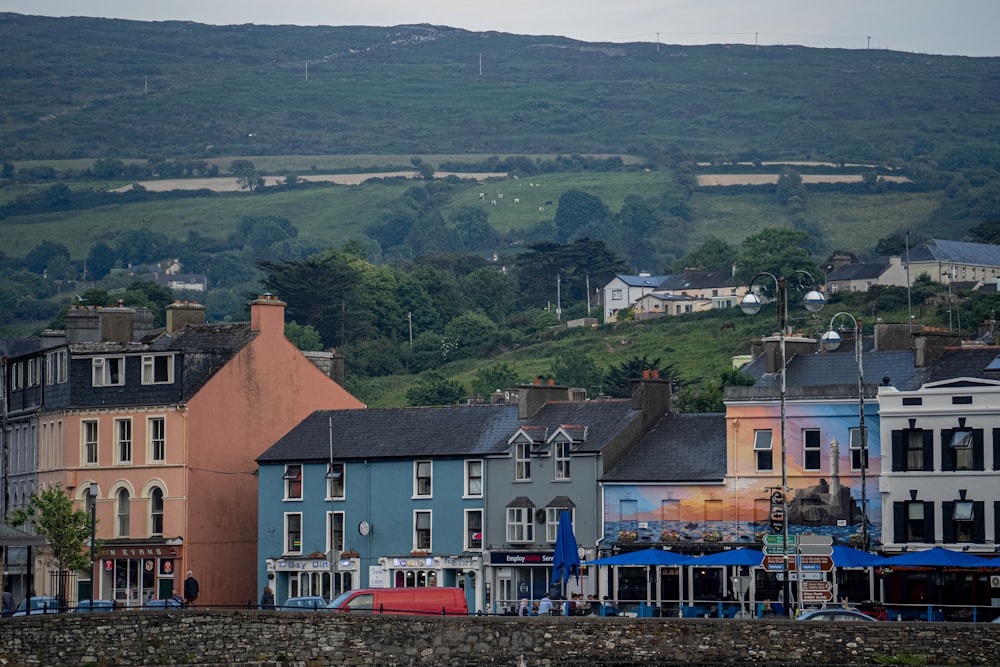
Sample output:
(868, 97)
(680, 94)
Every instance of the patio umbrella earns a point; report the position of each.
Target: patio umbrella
(750, 557)
(938, 557)
(850, 557)
(566, 558)
(645, 557)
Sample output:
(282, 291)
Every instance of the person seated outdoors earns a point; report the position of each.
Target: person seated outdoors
(610, 607)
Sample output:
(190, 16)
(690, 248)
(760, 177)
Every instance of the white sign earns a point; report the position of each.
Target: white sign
(378, 577)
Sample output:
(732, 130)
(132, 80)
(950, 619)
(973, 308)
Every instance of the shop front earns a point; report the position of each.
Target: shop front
(429, 571)
(297, 577)
(516, 575)
(134, 574)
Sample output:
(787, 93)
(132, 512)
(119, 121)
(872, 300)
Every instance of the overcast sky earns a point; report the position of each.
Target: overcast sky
(952, 27)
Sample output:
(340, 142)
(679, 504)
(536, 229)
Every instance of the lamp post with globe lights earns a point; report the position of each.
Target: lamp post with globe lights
(831, 341)
(751, 304)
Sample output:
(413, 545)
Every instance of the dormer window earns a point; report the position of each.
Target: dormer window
(560, 453)
(522, 461)
(108, 371)
(158, 369)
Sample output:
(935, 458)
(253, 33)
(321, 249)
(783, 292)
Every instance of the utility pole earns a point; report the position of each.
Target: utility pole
(657, 42)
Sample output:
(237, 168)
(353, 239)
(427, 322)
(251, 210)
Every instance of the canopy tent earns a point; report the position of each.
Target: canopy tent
(648, 557)
(939, 557)
(850, 557)
(748, 557)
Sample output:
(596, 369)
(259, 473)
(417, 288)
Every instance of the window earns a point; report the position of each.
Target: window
(293, 482)
(34, 374)
(293, 533)
(962, 449)
(473, 530)
(522, 461)
(156, 511)
(422, 479)
(858, 449)
(811, 449)
(156, 428)
(122, 513)
(961, 446)
(422, 530)
(762, 447)
(912, 449)
(520, 527)
(552, 521)
(158, 369)
(335, 481)
(670, 510)
(89, 433)
(474, 478)
(335, 536)
(560, 449)
(123, 438)
(108, 371)
(616, 295)
(913, 521)
(964, 521)
(61, 365)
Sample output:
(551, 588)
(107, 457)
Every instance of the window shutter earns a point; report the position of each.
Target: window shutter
(948, 525)
(979, 516)
(898, 458)
(928, 512)
(947, 452)
(929, 451)
(978, 458)
(996, 449)
(899, 522)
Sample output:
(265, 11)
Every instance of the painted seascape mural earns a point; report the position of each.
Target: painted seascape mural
(823, 466)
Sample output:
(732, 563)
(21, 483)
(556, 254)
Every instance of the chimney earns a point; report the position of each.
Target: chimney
(142, 323)
(793, 345)
(531, 397)
(83, 325)
(928, 346)
(182, 313)
(267, 314)
(117, 324)
(652, 396)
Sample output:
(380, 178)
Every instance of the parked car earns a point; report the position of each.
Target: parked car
(169, 603)
(305, 603)
(432, 601)
(95, 605)
(40, 604)
(835, 614)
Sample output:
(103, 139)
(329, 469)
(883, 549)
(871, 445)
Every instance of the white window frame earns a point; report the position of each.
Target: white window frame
(520, 525)
(153, 513)
(336, 474)
(552, 522)
(289, 477)
(420, 516)
(124, 450)
(149, 368)
(522, 461)
(760, 446)
(469, 543)
(123, 512)
(156, 438)
(102, 371)
(418, 468)
(560, 459)
(856, 450)
(287, 541)
(334, 543)
(89, 444)
(472, 477)
(61, 365)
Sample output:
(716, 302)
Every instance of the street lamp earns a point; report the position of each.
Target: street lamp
(831, 341)
(750, 304)
(92, 496)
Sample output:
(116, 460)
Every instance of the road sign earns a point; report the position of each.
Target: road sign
(817, 596)
(777, 498)
(779, 539)
(816, 586)
(775, 550)
(823, 540)
(815, 550)
(776, 563)
(813, 576)
(816, 563)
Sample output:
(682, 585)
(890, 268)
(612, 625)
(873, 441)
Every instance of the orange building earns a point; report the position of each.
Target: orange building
(166, 425)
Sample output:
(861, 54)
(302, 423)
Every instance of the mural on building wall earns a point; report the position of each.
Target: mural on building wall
(825, 487)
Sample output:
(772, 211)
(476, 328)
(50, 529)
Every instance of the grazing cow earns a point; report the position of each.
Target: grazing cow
(517, 200)
(494, 202)
(482, 196)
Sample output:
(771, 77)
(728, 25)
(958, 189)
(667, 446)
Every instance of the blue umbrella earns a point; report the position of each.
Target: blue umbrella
(938, 557)
(850, 557)
(644, 557)
(750, 557)
(566, 559)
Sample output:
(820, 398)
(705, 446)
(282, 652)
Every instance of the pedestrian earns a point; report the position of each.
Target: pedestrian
(175, 599)
(267, 599)
(522, 609)
(545, 606)
(191, 589)
(8, 603)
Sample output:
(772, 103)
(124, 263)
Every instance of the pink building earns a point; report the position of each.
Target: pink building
(167, 425)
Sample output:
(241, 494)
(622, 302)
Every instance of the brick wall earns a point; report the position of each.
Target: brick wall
(318, 639)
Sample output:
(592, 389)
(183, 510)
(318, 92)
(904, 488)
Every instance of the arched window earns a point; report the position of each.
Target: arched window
(156, 511)
(123, 512)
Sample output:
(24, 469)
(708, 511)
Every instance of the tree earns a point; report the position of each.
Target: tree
(709, 396)
(432, 388)
(987, 232)
(38, 258)
(577, 211)
(790, 191)
(303, 337)
(100, 260)
(467, 333)
(779, 252)
(617, 381)
(66, 530)
(578, 370)
(712, 255)
(493, 291)
(247, 177)
(493, 378)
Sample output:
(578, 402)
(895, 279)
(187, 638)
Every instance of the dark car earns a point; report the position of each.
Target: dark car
(305, 603)
(84, 606)
(835, 614)
(169, 603)
(40, 604)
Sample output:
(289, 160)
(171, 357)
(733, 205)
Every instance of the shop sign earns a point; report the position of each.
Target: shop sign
(413, 562)
(522, 558)
(314, 564)
(135, 552)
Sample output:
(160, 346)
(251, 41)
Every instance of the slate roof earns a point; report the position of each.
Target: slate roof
(604, 419)
(206, 349)
(970, 362)
(641, 281)
(697, 280)
(679, 448)
(863, 271)
(394, 433)
(957, 252)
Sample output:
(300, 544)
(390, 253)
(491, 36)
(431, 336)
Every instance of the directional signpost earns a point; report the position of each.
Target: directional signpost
(815, 558)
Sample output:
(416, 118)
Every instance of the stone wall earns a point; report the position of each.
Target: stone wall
(319, 639)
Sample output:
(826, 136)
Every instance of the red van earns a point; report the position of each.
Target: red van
(439, 601)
